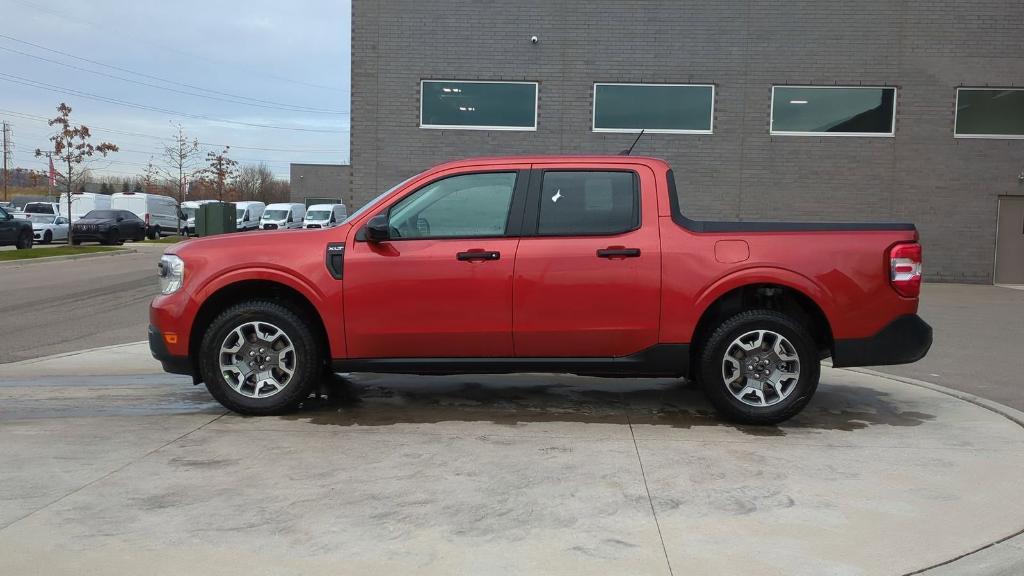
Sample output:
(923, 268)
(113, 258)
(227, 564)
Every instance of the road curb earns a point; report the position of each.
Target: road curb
(115, 252)
(1007, 412)
(31, 361)
(989, 559)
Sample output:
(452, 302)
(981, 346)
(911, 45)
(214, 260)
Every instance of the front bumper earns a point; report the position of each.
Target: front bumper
(904, 340)
(171, 363)
(91, 236)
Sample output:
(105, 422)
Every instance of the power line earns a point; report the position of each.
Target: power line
(129, 80)
(44, 120)
(61, 90)
(267, 103)
(122, 32)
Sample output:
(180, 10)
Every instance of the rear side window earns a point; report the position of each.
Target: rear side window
(579, 203)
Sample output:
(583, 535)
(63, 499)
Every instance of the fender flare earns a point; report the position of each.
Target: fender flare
(821, 297)
(289, 279)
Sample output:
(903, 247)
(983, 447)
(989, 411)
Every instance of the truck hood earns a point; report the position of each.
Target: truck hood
(260, 247)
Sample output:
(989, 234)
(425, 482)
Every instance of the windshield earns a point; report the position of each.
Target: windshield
(369, 205)
(239, 213)
(189, 211)
(39, 209)
(101, 214)
(41, 218)
(318, 215)
(275, 214)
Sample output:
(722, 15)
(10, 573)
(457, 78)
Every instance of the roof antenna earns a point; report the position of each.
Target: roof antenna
(630, 151)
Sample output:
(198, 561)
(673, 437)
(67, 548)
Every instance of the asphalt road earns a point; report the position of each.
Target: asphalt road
(54, 307)
(67, 305)
(978, 337)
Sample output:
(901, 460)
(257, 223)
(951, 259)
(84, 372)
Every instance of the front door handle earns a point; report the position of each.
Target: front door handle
(618, 253)
(471, 255)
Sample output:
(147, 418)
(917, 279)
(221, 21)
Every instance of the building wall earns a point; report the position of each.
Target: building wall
(948, 187)
(321, 181)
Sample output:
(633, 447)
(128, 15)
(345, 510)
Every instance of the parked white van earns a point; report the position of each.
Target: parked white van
(189, 209)
(160, 213)
(82, 203)
(248, 214)
(324, 215)
(283, 215)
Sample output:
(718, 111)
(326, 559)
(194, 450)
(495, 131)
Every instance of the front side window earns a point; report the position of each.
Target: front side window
(989, 113)
(464, 206)
(478, 105)
(832, 111)
(580, 203)
(672, 108)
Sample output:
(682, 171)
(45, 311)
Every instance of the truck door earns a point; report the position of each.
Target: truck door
(441, 287)
(8, 227)
(588, 269)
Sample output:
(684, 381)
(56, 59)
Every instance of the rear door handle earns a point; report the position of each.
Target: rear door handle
(618, 253)
(470, 255)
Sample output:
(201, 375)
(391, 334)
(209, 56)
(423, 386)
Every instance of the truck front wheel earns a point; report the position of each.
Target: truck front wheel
(260, 358)
(759, 367)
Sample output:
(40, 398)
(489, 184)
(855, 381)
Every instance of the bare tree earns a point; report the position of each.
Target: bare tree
(220, 169)
(255, 182)
(151, 175)
(182, 158)
(72, 149)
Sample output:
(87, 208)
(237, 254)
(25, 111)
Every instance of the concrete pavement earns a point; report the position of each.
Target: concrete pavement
(501, 474)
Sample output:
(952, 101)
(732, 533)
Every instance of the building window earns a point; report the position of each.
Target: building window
(667, 108)
(580, 203)
(989, 113)
(833, 111)
(478, 105)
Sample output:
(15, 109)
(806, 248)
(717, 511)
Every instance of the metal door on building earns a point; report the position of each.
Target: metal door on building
(1010, 241)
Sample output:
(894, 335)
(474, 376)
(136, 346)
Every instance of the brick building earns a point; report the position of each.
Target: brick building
(795, 110)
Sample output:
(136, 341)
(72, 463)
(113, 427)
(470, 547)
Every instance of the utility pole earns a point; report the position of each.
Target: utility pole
(7, 152)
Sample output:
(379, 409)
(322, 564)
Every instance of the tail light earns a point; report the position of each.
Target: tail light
(147, 219)
(905, 269)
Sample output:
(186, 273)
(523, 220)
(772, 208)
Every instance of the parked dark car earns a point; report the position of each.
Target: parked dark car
(15, 231)
(108, 227)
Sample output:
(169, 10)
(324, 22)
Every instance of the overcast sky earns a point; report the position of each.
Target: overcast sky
(277, 70)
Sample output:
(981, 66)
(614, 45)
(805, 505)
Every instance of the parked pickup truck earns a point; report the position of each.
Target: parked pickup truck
(584, 265)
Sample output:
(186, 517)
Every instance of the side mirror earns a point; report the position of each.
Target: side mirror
(120, 218)
(378, 229)
(7, 216)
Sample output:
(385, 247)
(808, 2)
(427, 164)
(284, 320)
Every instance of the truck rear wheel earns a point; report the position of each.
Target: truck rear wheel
(759, 367)
(260, 358)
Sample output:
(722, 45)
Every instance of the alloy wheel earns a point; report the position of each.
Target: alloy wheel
(761, 368)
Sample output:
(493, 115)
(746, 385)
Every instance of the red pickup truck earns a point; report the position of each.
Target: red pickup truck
(582, 265)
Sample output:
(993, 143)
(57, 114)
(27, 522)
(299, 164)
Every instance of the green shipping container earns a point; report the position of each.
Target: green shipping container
(215, 218)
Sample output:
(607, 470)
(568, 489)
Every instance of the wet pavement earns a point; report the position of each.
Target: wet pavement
(496, 474)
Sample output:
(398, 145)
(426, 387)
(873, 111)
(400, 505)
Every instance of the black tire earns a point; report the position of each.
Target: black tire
(113, 237)
(47, 237)
(154, 233)
(76, 242)
(712, 356)
(24, 241)
(308, 364)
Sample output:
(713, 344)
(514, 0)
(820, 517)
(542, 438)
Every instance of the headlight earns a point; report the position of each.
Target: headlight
(172, 273)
